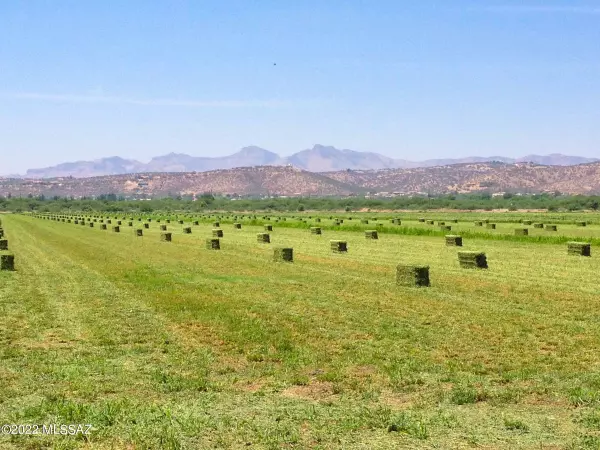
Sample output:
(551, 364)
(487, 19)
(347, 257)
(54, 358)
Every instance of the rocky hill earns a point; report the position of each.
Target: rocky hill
(290, 181)
(263, 180)
(492, 177)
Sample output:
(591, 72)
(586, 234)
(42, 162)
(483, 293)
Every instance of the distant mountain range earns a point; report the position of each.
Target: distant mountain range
(492, 177)
(320, 158)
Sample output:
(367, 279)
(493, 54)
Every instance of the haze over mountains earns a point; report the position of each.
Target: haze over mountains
(318, 159)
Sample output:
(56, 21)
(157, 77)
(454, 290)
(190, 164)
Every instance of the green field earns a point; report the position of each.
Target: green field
(171, 345)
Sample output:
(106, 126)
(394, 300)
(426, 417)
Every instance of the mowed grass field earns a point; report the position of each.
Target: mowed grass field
(171, 345)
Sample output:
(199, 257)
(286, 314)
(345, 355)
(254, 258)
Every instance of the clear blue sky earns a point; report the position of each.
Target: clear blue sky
(409, 79)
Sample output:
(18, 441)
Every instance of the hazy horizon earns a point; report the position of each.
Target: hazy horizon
(82, 81)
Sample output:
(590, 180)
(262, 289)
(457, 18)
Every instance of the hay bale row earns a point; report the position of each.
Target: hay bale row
(410, 275)
(579, 248)
(472, 260)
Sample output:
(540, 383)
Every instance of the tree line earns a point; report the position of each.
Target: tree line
(207, 202)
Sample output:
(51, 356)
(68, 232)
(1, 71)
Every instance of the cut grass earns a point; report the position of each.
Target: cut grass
(178, 347)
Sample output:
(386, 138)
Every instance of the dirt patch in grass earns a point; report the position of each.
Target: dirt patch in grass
(396, 401)
(194, 334)
(319, 390)
(251, 386)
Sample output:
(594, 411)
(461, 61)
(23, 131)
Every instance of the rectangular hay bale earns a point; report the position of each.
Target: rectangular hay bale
(410, 275)
(339, 246)
(7, 261)
(213, 244)
(579, 248)
(283, 254)
(472, 260)
(454, 241)
(263, 238)
(371, 234)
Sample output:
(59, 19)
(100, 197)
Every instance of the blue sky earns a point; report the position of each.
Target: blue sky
(414, 79)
